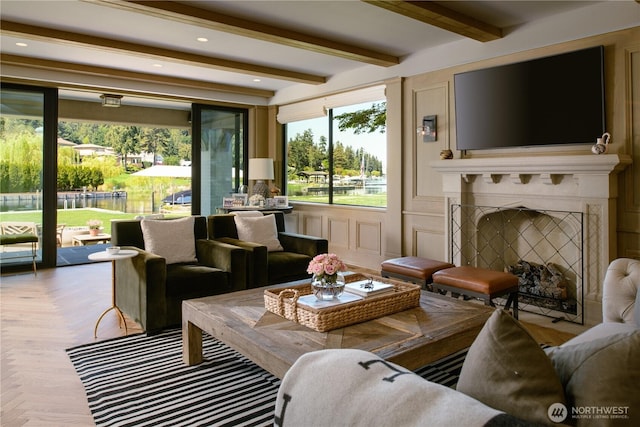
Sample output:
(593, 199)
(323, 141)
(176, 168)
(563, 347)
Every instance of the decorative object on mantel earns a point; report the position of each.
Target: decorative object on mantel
(428, 130)
(446, 154)
(94, 226)
(602, 144)
(328, 280)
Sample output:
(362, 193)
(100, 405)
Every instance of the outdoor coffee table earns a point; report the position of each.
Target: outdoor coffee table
(412, 338)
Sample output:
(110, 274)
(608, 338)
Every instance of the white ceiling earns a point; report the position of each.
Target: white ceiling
(348, 21)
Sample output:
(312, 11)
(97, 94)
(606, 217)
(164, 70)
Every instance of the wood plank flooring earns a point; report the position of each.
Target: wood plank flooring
(42, 316)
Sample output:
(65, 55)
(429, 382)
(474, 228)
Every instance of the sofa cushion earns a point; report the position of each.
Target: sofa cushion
(507, 370)
(601, 330)
(603, 373)
(260, 229)
(174, 239)
(285, 266)
(194, 281)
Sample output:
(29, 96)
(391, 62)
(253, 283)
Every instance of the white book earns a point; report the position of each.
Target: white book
(313, 302)
(368, 287)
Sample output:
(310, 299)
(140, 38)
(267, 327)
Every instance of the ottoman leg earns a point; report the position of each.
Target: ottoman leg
(513, 299)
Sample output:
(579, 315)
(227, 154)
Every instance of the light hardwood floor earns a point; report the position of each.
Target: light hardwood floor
(44, 315)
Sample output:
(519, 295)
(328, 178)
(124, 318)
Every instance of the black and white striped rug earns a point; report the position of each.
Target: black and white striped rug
(140, 380)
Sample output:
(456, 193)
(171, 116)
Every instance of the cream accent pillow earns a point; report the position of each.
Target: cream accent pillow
(172, 239)
(247, 213)
(261, 229)
(507, 370)
(603, 373)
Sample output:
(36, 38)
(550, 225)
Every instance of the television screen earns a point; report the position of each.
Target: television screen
(553, 100)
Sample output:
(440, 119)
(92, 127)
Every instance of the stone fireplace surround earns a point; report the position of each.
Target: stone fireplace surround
(579, 183)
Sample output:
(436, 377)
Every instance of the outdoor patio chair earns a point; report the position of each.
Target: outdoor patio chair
(17, 234)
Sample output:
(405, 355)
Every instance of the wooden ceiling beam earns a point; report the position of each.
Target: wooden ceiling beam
(440, 16)
(45, 64)
(156, 53)
(180, 12)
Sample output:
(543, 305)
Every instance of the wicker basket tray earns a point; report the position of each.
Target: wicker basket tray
(284, 302)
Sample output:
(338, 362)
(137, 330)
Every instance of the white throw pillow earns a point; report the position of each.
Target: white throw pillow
(262, 230)
(172, 239)
(247, 213)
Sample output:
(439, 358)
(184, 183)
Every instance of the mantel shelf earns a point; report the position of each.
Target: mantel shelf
(535, 165)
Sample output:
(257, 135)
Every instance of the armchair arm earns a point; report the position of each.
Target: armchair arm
(303, 244)
(226, 257)
(257, 261)
(140, 288)
(620, 288)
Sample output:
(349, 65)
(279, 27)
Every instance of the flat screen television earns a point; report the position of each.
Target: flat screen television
(554, 100)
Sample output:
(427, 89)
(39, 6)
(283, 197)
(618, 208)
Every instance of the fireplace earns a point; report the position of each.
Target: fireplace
(583, 185)
(543, 248)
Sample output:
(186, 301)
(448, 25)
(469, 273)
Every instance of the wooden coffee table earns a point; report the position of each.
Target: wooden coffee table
(412, 338)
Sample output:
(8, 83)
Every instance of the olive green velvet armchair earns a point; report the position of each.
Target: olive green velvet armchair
(150, 290)
(268, 267)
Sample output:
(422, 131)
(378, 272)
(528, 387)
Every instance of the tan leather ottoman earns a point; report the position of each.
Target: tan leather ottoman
(478, 283)
(412, 269)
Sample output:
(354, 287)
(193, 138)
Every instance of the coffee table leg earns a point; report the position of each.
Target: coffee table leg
(191, 343)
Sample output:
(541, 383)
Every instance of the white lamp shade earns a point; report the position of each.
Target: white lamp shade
(261, 168)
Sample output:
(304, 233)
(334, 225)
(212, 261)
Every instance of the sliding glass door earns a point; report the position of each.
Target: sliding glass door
(27, 171)
(219, 149)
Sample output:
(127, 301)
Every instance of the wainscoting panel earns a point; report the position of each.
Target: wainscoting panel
(338, 233)
(368, 237)
(291, 222)
(432, 100)
(356, 234)
(424, 235)
(429, 244)
(312, 225)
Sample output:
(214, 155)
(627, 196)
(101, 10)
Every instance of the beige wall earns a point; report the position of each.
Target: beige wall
(414, 224)
(432, 93)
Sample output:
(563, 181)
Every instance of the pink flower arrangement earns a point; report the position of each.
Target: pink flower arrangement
(326, 265)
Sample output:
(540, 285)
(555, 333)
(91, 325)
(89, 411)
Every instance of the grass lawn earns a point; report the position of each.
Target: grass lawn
(372, 200)
(71, 217)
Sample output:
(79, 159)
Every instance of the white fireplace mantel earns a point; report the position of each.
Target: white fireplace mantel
(577, 183)
(535, 165)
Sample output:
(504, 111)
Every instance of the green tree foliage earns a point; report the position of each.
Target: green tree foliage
(21, 156)
(368, 120)
(74, 177)
(135, 139)
(305, 155)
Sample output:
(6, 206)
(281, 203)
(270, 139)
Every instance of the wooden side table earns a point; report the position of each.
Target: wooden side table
(85, 239)
(105, 256)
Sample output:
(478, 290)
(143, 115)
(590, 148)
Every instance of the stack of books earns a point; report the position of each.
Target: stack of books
(368, 287)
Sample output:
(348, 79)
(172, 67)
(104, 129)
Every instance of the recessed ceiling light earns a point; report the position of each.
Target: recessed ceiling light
(257, 80)
(202, 39)
(157, 65)
(21, 44)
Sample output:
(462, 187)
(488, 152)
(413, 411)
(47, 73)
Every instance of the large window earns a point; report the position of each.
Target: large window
(340, 158)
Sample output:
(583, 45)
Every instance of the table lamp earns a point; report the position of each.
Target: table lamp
(261, 169)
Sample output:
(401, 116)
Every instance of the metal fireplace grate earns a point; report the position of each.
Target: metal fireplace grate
(504, 239)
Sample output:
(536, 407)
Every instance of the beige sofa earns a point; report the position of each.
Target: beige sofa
(506, 379)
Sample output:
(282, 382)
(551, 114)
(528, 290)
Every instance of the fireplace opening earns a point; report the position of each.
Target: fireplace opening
(544, 285)
(544, 248)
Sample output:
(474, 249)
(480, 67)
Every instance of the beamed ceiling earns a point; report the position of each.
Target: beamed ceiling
(253, 49)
